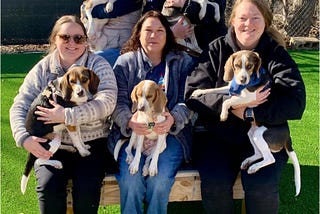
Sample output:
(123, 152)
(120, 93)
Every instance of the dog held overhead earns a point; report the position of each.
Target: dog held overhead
(174, 14)
(75, 87)
(244, 75)
(149, 100)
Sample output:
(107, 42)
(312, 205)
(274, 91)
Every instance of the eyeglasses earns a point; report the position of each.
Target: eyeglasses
(78, 39)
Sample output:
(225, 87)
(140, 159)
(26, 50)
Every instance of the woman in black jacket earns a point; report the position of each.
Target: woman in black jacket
(220, 147)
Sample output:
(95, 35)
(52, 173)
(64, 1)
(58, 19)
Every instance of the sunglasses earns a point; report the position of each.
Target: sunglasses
(78, 39)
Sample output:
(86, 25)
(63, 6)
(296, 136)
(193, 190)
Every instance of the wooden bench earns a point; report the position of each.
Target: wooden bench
(185, 188)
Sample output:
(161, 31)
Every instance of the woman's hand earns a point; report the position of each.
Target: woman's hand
(261, 97)
(32, 145)
(138, 128)
(164, 127)
(174, 3)
(159, 128)
(181, 30)
(51, 115)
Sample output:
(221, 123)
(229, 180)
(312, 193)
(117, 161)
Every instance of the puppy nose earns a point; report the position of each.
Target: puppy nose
(243, 79)
(141, 108)
(80, 93)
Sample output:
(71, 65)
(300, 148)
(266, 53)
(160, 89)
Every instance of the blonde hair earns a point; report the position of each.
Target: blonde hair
(62, 20)
(264, 8)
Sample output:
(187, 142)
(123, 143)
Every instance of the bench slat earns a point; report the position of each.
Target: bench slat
(185, 188)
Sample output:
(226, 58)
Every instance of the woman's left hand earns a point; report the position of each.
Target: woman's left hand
(164, 127)
(51, 115)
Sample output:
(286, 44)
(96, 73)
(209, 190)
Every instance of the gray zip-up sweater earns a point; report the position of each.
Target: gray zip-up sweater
(92, 116)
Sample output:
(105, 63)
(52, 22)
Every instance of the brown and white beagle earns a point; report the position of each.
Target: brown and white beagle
(244, 74)
(149, 100)
(94, 26)
(75, 87)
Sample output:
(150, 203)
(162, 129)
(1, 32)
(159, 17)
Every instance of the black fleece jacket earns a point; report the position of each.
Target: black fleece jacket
(287, 99)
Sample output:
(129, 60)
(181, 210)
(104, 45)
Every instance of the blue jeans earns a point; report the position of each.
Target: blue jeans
(110, 54)
(153, 190)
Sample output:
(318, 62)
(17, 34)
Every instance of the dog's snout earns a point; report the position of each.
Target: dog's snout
(80, 93)
(141, 108)
(243, 79)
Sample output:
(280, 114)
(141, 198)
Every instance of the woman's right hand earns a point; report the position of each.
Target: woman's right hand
(32, 145)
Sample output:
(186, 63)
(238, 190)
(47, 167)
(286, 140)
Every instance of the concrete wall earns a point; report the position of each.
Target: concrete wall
(31, 21)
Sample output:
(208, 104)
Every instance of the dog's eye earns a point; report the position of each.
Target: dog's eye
(249, 66)
(237, 66)
(72, 81)
(149, 97)
(84, 79)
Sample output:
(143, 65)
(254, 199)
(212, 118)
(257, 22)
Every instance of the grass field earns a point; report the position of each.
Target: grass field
(305, 134)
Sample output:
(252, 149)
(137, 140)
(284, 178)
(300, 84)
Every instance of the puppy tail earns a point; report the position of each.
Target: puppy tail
(119, 144)
(296, 167)
(24, 183)
(26, 174)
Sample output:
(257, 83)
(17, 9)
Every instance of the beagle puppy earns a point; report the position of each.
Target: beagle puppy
(244, 74)
(173, 15)
(75, 87)
(97, 39)
(149, 100)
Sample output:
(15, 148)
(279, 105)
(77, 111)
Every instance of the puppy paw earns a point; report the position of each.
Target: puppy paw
(145, 171)
(196, 93)
(129, 159)
(84, 152)
(253, 169)
(153, 171)
(224, 116)
(133, 168)
(109, 7)
(86, 146)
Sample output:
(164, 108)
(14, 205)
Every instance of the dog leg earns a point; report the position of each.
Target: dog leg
(145, 169)
(78, 143)
(109, 6)
(263, 147)
(220, 90)
(257, 155)
(128, 149)
(134, 166)
(161, 145)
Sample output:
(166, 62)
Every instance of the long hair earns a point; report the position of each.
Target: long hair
(264, 9)
(134, 41)
(62, 20)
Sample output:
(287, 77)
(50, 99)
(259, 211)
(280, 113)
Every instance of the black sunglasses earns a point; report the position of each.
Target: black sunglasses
(78, 39)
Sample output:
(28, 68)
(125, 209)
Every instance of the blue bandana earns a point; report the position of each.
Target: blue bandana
(235, 89)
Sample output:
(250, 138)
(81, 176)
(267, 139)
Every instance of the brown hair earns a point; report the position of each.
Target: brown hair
(264, 8)
(134, 41)
(62, 20)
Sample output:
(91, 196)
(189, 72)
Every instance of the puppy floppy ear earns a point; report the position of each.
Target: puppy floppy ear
(229, 69)
(160, 100)
(94, 82)
(134, 99)
(65, 87)
(257, 63)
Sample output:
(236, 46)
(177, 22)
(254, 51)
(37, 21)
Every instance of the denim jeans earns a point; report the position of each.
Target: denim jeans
(219, 163)
(110, 54)
(152, 190)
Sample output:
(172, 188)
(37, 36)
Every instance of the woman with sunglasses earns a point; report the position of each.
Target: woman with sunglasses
(68, 47)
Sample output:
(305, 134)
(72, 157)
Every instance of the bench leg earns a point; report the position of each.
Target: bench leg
(243, 207)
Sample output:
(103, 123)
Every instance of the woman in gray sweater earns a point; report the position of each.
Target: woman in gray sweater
(68, 47)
